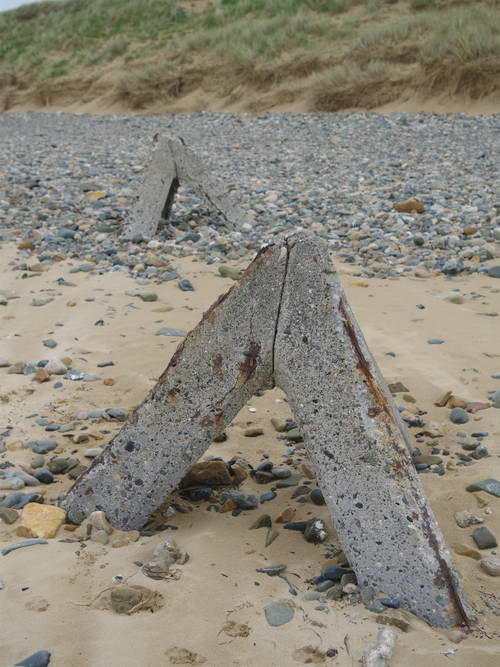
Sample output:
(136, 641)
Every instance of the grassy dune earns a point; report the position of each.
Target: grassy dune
(247, 54)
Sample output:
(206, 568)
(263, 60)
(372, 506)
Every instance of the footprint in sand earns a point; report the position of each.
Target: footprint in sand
(233, 629)
(182, 656)
(309, 655)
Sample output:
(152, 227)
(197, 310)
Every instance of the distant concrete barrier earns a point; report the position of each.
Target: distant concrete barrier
(171, 164)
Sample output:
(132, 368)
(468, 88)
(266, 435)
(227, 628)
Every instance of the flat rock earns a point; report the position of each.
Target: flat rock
(489, 485)
(278, 613)
(207, 473)
(491, 566)
(43, 520)
(484, 538)
(169, 331)
(38, 659)
(8, 515)
(465, 519)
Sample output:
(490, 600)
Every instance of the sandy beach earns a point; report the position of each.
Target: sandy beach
(214, 610)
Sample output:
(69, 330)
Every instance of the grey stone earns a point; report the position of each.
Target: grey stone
(465, 519)
(317, 497)
(281, 473)
(117, 413)
(278, 613)
(38, 659)
(491, 566)
(494, 271)
(459, 416)
(305, 327)
(315, 531)
(8, 515)
(324, 585)
(41, 446)
(489, 485)
(435, 341)
(168, 331)
(484, 538)
(143, 294)
(50, 342)
(170, 164)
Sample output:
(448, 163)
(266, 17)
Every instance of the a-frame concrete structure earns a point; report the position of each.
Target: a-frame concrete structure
(287, 323)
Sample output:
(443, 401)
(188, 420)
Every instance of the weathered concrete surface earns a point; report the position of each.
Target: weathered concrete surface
(358, 444)
(288, 322)
(172, 164)
(213, 373)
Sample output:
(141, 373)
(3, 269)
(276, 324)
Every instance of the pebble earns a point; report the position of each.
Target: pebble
(143, 295)
(324, 585)
(41, 446)
(281, 473)
(459, 416)
(484, 538)
(317, 497)
(199, 494)
(49, 342)
(38, 659)
(228, 272)
(491, 566)
(315, 531)
(266, 497)
(465, 519)
(253, 432)
(56, 367)
(293, 480)
(264, 521)
(244, 501)
(435, 341)
(44, 476)
(117, 413)
(8, 515)
(168, 331)
(334, 572)
(92, 452)
(185, 285)
(279, 425)
(279, 613)
(490, 485)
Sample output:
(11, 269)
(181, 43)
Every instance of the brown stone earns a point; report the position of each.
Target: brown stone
(109, 382)
(476, 406)
(22, 531)
(287, 515)
(456, 402)
(410, 206)
(239, 474)
(43, 520)
(441, 402)
(8, 515)
(41, 375)
(464, 550)
(207, 473)
(264, 477)
(228, 506)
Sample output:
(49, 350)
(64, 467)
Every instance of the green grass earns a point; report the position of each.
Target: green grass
(352, 40)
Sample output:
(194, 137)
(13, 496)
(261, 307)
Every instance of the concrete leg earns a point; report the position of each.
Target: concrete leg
(358, 443)
(213, 373)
